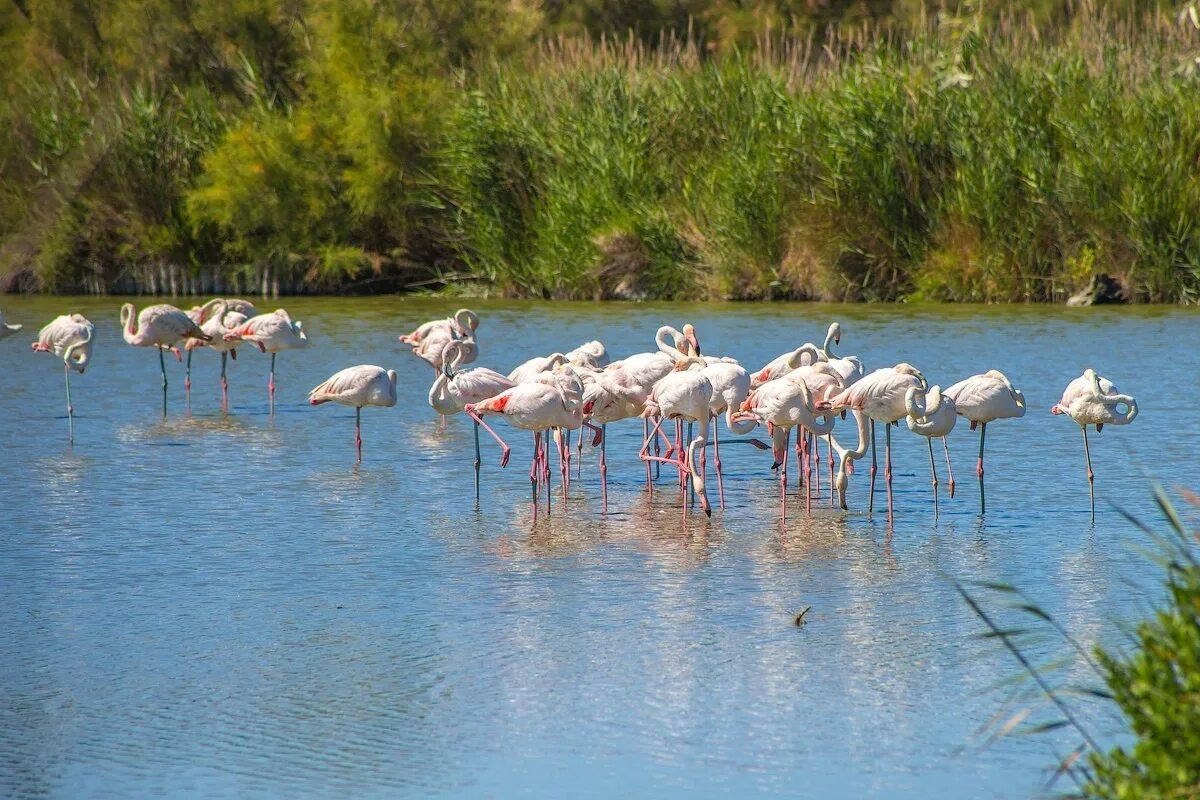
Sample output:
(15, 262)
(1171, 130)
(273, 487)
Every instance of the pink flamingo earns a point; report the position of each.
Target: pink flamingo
(932, 414)
(983, 399)
(1092, 400)
(364, 385)
(220, 317)
(798, 399)
(683, 395)
(429, 340)
(551, 400)
(880, 397)
(457, 388)
(160, 326)
(68, 336)
(273, 333)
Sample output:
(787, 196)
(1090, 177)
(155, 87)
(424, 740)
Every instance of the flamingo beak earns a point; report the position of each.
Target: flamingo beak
(694, 342)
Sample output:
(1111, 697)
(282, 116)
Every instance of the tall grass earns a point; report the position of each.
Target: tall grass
(954, 164)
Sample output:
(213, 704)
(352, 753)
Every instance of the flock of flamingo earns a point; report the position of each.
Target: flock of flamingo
(807, 389)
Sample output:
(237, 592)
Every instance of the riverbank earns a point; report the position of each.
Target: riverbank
(962, 159)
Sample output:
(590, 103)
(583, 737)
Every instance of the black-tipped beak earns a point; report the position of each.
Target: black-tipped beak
(708, 513)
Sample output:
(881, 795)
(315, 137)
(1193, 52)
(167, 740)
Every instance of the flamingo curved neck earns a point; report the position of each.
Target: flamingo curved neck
(660, 338)
(129, 324)
(830, 335)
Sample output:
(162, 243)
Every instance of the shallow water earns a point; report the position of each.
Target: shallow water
(227, 605)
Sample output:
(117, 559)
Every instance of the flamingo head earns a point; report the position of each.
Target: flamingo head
(689, 333)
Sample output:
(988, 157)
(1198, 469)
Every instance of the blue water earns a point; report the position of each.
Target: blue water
(227, 605)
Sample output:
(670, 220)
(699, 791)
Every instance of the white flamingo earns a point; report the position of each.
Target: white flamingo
(221, 317)
(363, 385)
(880, 397)
(70, 337)
(684, 396)
(457, 388)
(160, 326)
(7, 329)
(550, 400)
(1092, 400)
(590, 355)
(429, 340)
(983, 399)
(273, 333)
(932, 414)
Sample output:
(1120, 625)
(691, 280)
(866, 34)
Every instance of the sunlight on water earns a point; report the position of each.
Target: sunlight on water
(229, 605)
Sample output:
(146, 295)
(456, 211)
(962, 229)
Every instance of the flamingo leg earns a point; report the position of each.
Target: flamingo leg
(687, 443)
(644, 453)
(799, 460)
(949, 469)
(187, 377)
(887, 464)
(162, 365)
(716, 428)
(679, 452)
(506, 450)
(535, 469)
(646, 438)
(358, 431)
(808, 476)
(783, 462)
(546, 467)
(1087, 455)
(224, 383)
(814, 445)
(562, 443)
(657, 451)
(70, 408)
(271, 384)
(579, 456)
(830, 442)
(874, 469)
(604, 466)
(565, 436)
(979, 469)
(478, 459)
(933, 472)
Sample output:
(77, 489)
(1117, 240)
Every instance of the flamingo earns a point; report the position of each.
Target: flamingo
(429, 340)
(590, 355)
(159, 326)
(536, 366)
(203, 315)
(849, 367)
(550, 400)
(68, 336)
(273, 333)
(222, 317)
(683, 395)
(799, 398)
(364, 385)
(932, 414)
(880, 396)
(784, 363)
(618, 392)
(1092, 400)
(983, 399)
(457, 388)
(7, 329)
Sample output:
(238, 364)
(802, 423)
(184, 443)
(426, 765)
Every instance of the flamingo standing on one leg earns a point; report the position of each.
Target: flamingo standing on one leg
(457, 388)
(273, 333)
(983, 399)
(159, 326)
(68, 336)
(364, 385)
(1092, 400)
(932, 414)
(220, 317)
(551, 400)
(7, 329)
(880, 396)
(683, 395)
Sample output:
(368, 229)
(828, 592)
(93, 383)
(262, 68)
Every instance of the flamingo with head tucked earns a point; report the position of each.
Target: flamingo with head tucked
(930, 414)
(273, 333)
(70, 337)
(683, 395)
(364, 385)
(1092, 400)
(429, 340)
(456, 388)
(221, 317)
(160, 326)
(982, 399)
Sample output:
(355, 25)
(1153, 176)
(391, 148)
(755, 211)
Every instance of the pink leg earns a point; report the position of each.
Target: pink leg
(358, 431)
(646, 438)
(717, 461)
(505, 449)
(814, 445)
(679, 449)
(644, 454)
(546, 467)
(949, 469)
(783, 477)
(535, 470)
(808, 489)
(830, 442)
(604, 472)
(271, 384)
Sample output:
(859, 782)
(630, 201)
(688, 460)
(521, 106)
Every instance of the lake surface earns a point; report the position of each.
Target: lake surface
(227, 605)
